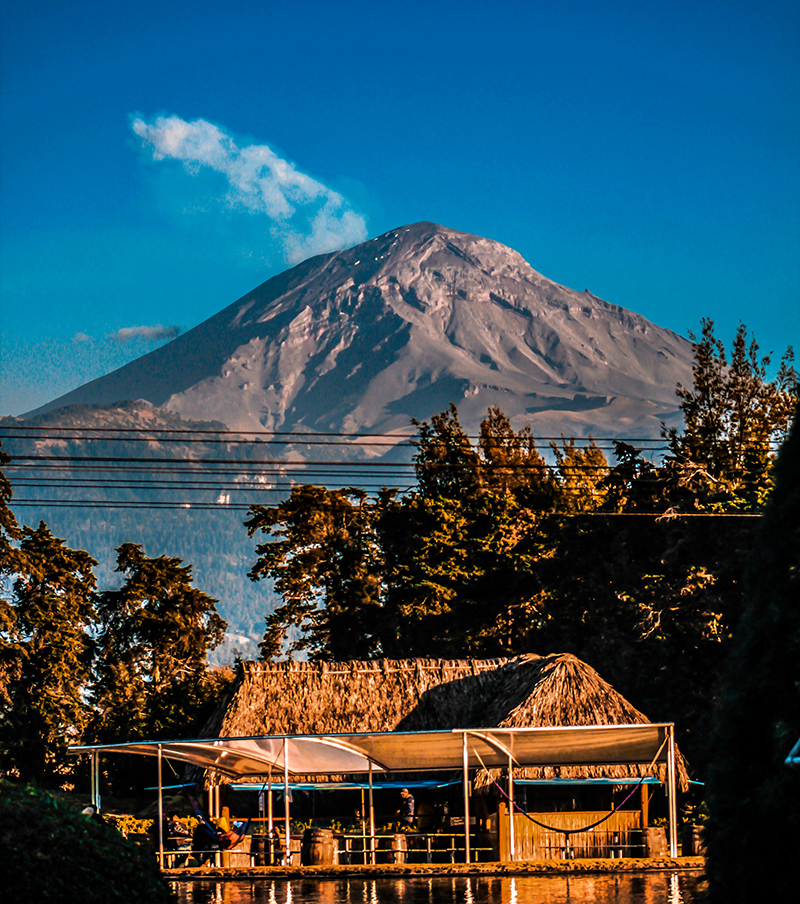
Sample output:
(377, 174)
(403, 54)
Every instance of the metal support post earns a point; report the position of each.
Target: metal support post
(672, 797)
(270, 821)
(287, 829)
(465, 779)
(371, 819)
(160, 813)
(511, 836)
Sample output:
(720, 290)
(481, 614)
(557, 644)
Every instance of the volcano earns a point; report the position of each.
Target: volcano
(365, 339)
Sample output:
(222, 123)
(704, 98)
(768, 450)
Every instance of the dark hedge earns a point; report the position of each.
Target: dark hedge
(50, 851)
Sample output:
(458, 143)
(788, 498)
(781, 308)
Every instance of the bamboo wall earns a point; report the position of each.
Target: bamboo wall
(620, 835)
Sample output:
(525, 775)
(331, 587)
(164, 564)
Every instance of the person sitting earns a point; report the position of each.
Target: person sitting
(177, 838)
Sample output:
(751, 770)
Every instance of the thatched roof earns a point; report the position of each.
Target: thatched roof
(427, 694)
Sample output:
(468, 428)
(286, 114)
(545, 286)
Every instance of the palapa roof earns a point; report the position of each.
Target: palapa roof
(305, 698)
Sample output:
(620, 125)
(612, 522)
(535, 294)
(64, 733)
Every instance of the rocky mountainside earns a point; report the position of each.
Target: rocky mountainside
(400, 326)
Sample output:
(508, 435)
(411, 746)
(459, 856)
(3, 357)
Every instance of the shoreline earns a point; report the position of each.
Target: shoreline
(423, 870)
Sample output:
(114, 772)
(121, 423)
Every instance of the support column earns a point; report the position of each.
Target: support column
(93, 780)
(672, 796)
(160, 813)
(269, 803)
(287, 829)
(465, 780)
(511, 836)
(270, 820)
(96, 789)
(371, 819)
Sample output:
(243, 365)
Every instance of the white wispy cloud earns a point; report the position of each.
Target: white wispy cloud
(150, 333)
(306, 216)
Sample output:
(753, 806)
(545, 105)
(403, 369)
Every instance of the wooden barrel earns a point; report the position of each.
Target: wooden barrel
(259, 848)
(393, 849)
(317, 849)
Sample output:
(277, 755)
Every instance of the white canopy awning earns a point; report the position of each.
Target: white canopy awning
(414, 751)
(418, 751)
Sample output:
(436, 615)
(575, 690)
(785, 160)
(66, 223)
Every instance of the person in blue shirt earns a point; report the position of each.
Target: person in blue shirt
(405, 815)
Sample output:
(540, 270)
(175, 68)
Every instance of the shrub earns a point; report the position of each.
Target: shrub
(52, 852)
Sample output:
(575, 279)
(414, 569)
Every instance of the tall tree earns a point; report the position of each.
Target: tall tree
(155, 633)
(445, 461)
(324, 556)
(53, 605)
(733, 418)
(447, 569)
(10, 562)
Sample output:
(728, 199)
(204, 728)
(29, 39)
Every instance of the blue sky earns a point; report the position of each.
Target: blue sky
(161, 159)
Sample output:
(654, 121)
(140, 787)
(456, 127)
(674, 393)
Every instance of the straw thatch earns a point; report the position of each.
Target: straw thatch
(427, 694)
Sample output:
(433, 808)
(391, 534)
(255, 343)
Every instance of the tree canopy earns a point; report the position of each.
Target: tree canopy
(78, 666)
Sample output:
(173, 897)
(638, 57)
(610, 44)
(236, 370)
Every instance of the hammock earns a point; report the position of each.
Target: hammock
(231, 838)
(567, 832)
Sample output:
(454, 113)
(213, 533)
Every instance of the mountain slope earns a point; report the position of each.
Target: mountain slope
(367, 338)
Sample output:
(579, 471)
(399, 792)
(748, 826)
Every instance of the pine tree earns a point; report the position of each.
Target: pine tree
(45, 708)
(324, 556)
(155, 633)
(733, 418)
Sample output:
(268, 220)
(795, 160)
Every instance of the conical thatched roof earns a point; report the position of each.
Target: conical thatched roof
(427, 694)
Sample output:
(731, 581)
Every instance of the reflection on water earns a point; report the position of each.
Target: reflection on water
(602, 888)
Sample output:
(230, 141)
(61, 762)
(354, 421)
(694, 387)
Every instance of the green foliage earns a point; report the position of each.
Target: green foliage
(51, 852)
(325, 561)
(449, 569)
(154, 634)
(753, 794)
(733, 417)
(77, 667)
(10, 562)
(9, 529)
(51, 655)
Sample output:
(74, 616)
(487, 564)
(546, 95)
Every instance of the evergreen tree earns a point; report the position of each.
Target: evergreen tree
(10, 562)
(327, 565)
(154, 634)
(44, 709)
(733, 418)
(448, 569)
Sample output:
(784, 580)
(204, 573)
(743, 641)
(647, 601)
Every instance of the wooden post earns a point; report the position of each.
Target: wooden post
(465, 779)
(93, 785)
(645, 806)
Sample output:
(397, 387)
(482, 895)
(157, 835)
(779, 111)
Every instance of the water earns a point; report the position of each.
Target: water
(600, 888)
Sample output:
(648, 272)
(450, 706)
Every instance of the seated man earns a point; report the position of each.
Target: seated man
(177, 838)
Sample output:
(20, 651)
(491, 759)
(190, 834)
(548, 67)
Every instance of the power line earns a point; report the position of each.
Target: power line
(181, 431)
